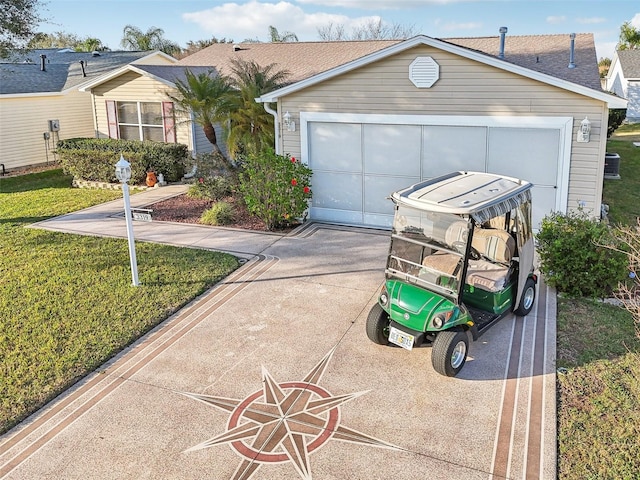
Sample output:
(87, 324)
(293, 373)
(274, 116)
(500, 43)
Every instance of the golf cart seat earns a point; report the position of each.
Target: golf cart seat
(491, 273)
(497, 248)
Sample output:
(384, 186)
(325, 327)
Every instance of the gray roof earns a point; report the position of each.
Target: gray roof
(62, 69)
(173, 73)
(630, 63)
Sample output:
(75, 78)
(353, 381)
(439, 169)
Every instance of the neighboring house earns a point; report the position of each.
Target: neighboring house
(623, 79)
(133, 103)
(40, 102)
(372, 117)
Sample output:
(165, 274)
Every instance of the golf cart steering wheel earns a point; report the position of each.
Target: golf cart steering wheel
(473, 253)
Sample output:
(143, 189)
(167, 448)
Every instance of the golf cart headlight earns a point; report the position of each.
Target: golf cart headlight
(384, 296)
(440, 319)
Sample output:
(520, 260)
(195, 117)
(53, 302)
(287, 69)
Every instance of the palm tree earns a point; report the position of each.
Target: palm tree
(153, 39)
(629, 37)
(276, 37)
(206, 96)
(251, 127)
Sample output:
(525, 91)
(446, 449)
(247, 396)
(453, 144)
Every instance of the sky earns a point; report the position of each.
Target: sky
(185, 20)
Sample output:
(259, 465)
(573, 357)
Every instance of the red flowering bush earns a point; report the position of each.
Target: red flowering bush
(275, 188)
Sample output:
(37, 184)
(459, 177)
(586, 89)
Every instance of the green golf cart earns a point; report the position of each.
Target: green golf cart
(461, 258)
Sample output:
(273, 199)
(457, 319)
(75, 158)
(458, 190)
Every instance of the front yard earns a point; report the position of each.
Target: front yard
(599, 358)
(67, 303)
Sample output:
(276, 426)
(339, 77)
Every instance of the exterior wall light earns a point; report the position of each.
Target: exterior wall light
(584, 131)
(123, 174)
(289, 124)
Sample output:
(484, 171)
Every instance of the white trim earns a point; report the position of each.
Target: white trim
(120, 71)
(613, 101)
(563, 124)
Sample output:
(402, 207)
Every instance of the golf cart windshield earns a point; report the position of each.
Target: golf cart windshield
(427, 248)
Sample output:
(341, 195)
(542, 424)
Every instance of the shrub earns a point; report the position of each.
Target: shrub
(629, 293)
(574, 256)
(616, 117)
(211, 164)
(275, 188)
(213, 188)
(94, 158)
(221, 213)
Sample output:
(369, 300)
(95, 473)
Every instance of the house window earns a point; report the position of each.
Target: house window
(140, 121)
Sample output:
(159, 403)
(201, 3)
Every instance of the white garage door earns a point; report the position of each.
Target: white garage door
(357, 164)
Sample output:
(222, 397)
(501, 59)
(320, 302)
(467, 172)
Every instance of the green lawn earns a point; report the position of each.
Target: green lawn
(622, 195)
(599, 395)
(67, 303)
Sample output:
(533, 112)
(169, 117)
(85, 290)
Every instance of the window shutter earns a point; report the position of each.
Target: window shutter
(168, 122)
(112, 118)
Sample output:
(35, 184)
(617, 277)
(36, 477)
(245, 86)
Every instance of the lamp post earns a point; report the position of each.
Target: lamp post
(123, 173)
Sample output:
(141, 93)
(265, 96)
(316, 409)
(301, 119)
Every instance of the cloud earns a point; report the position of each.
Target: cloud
(378, 4)
(252, 20)
(554, 20)
(591, 21)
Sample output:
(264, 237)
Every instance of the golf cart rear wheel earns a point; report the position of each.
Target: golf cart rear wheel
(528, 298)
(449, 352)
(378, 325)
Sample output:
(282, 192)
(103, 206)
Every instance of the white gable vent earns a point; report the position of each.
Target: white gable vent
(424, 72)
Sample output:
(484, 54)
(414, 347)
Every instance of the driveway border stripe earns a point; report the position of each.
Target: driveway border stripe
(175, 328)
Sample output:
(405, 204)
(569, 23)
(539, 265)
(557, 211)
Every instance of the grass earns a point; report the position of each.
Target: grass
(67, 303)
(622, 195)
(599, 395)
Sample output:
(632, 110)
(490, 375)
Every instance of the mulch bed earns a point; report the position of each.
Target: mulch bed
(188, 210)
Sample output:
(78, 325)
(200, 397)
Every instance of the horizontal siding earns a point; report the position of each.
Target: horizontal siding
(132, 87)
(23, 122)
(465, 87)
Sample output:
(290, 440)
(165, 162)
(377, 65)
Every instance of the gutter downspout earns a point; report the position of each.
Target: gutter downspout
(276, 125)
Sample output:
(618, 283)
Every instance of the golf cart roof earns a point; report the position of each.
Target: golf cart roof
(479, 195)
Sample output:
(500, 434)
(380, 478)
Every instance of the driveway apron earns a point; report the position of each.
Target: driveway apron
(270, 375)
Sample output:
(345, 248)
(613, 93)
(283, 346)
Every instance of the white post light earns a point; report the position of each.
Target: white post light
(123, 173)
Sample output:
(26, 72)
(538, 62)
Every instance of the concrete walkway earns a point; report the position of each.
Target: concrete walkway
(270, 375)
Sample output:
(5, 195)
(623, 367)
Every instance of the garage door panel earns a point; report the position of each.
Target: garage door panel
(357, 166)
(391, 149)
(527, 153)
(377, 189)
(337, 216)
(543, 202)
(450, 148)
(341, 191)
(335, 146)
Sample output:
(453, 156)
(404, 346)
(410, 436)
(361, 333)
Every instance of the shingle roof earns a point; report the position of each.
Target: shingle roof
(301, 59)
(173, 73)
(63, 70)
(630, 63)
(547, 54)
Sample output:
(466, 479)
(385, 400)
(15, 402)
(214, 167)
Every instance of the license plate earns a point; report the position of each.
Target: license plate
(398, 337)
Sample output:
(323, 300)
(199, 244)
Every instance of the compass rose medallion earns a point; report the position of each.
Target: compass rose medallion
(284, 422)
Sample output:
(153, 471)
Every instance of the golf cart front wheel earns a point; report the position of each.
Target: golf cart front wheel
(378, 325)
(528, 298)
(449, 352)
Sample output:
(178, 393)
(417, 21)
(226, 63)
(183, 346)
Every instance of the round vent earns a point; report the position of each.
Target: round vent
(424, 72)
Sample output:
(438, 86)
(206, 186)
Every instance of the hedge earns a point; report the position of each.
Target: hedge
(94, 159)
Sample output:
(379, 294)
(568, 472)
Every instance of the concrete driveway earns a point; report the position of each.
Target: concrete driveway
(270, 375)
